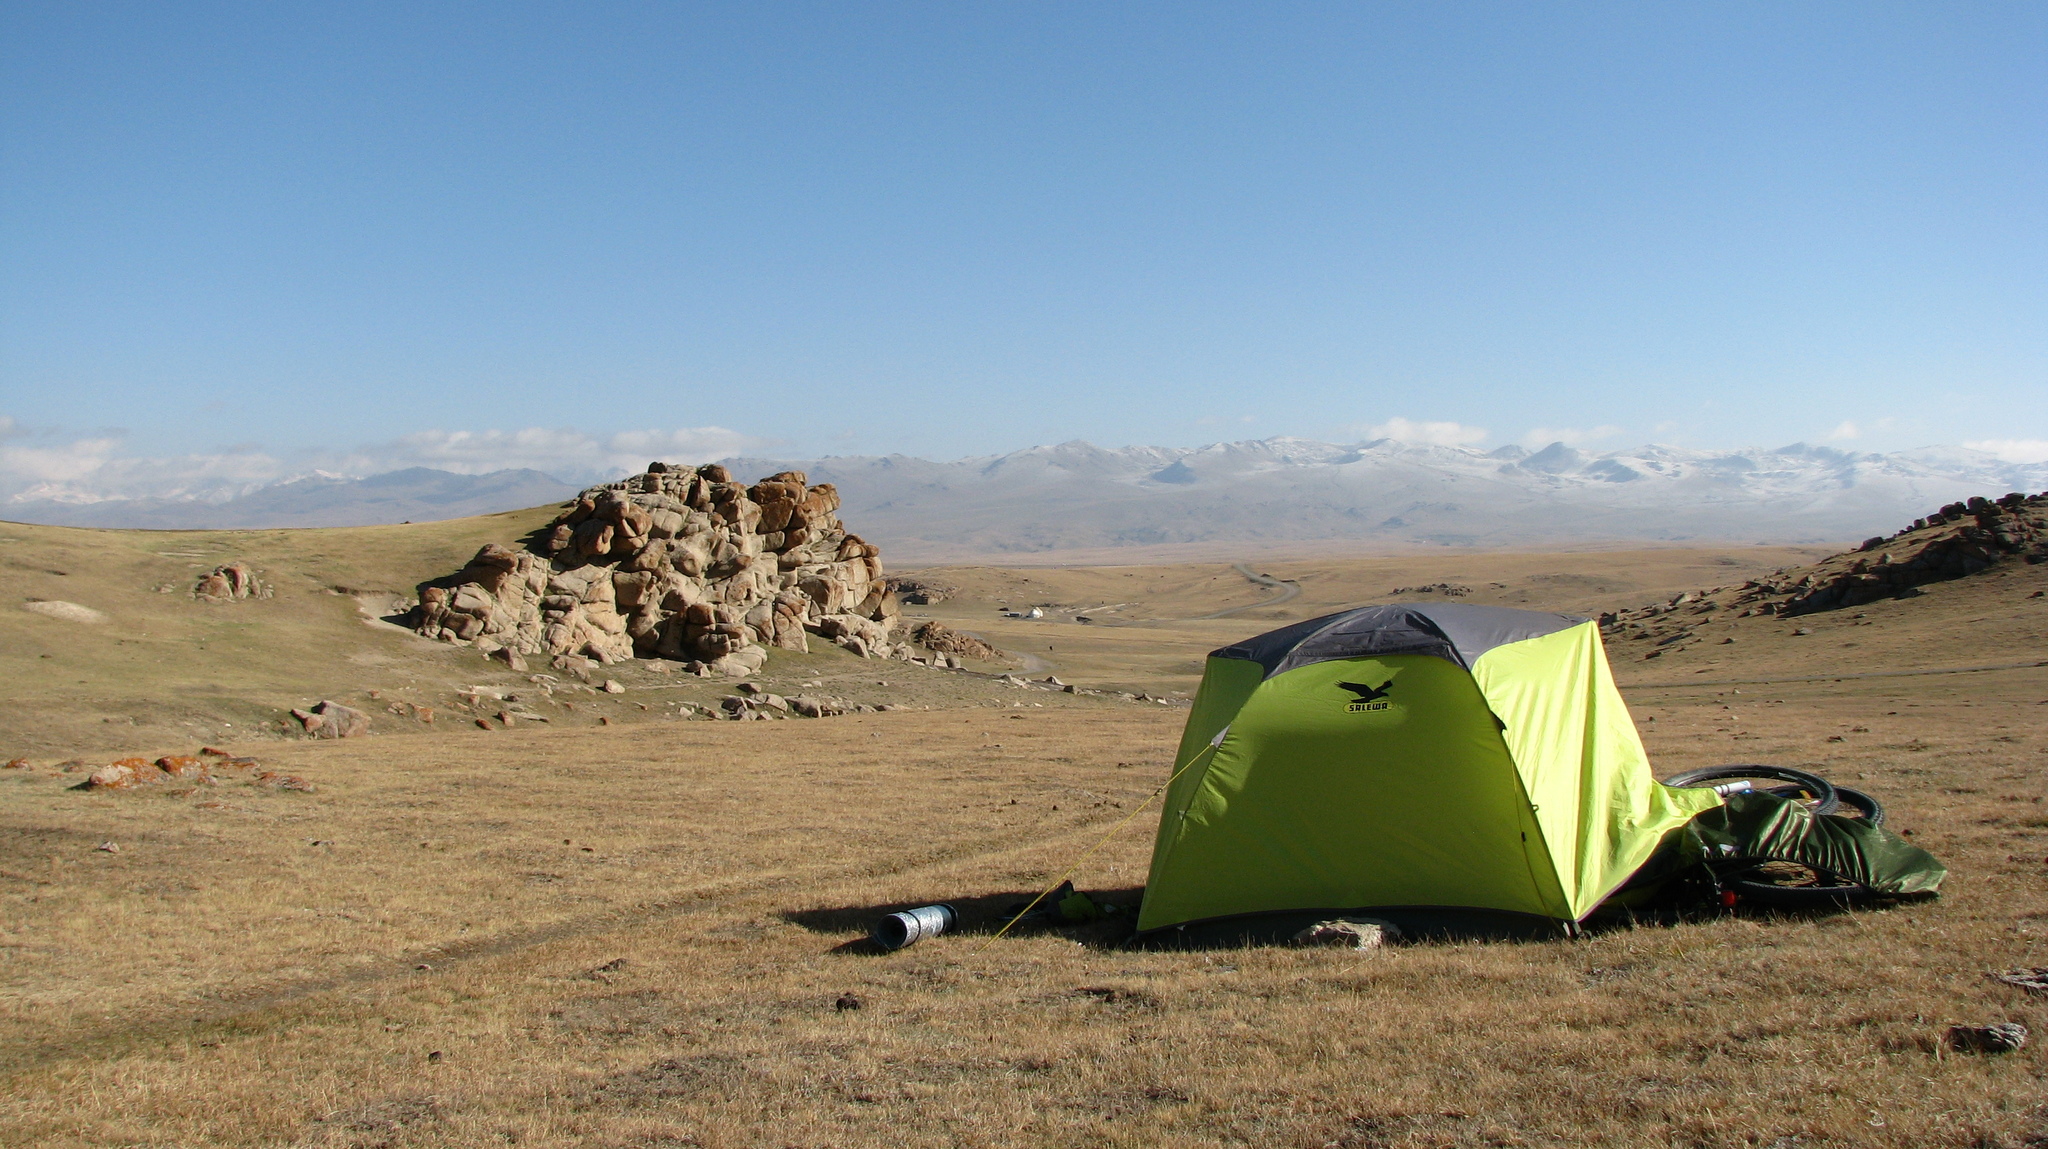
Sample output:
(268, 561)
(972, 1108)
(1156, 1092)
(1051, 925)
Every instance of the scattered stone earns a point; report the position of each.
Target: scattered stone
(614, 686)
(114, 776)
(955, 645)
(180, 766)
(2002, 1038)
(813, 707)
(108, 848)
(511, 658)
(1117, 995)
(277, 781)
(1447, 589)
(1802, 630)
(213, 752)
(2032, 980)
(603, 972)
(1348, 933)
(919, 591)
(333, 720)
(16, 764)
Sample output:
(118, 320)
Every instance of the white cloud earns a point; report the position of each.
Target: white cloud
(87, 470)
(1537, 437)
(563, 452)
(91, 468)
(2012, 450)
(1847, 430)
(1433, 434)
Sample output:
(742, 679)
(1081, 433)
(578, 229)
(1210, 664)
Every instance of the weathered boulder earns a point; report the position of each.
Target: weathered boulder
(1348, 933)
(229, 583)
(943, 639)
(677, 563)
(115, 776)
(333, 720)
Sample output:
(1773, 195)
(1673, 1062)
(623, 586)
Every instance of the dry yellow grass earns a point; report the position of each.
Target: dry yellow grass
(247, 969)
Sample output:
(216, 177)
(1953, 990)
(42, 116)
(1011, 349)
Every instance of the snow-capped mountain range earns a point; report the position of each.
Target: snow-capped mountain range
(1076, 495)
(1283, 490)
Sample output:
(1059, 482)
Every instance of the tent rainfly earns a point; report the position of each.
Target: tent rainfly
(1409, 757)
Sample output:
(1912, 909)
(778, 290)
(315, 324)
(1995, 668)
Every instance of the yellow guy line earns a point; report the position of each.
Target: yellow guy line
(1090, 852)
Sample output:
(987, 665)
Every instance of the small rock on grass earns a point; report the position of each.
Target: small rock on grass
(2032, 980)
(1348, 933)
(614, 686)
(333, 720)
(2002, 1038)
(116, 776)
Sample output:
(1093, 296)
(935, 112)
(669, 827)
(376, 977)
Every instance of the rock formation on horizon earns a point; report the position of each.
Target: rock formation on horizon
(1959, 540)
(679, 563)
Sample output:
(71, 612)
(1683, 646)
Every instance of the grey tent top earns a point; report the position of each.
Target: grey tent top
(1456, 632)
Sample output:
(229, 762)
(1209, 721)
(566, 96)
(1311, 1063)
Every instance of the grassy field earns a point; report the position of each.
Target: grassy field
(637, 933)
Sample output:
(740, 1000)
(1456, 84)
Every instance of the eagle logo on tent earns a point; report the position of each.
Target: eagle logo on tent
(1369, 697)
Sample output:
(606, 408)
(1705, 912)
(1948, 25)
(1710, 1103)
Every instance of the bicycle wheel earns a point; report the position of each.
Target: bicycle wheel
(1813, 788)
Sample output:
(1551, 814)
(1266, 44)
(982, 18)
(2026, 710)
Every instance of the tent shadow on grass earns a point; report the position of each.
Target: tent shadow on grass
(986, 915)
(980, 917)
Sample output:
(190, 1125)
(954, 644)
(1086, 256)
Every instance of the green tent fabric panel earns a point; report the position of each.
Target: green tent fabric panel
(1226, 684)
(1601, 810)
(1325, 797)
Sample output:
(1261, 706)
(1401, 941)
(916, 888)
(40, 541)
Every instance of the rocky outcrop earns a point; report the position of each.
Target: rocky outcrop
(943, 639)
(229, 583)
(333, 720)
(1959, 540)
(918, 590)
(679, 563)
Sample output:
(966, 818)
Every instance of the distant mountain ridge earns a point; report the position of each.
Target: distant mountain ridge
(1079, 496)
(1076, 496)
(415, 494)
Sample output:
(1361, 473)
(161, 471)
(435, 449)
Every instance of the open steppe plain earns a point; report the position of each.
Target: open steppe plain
(621, 928)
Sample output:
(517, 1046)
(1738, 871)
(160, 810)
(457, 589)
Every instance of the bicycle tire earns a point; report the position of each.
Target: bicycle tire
(1799, 897)
(1826, 799)
(1854, 803)
(1872, 809)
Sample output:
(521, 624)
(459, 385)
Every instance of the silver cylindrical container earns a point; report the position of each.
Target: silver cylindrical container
(911, 926)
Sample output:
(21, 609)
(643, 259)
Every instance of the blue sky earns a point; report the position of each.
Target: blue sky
(394, 233)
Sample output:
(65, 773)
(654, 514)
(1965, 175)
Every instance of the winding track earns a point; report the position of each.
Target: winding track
(1289, 591)
(187, 1017)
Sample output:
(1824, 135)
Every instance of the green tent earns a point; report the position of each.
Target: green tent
(1419, 758)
